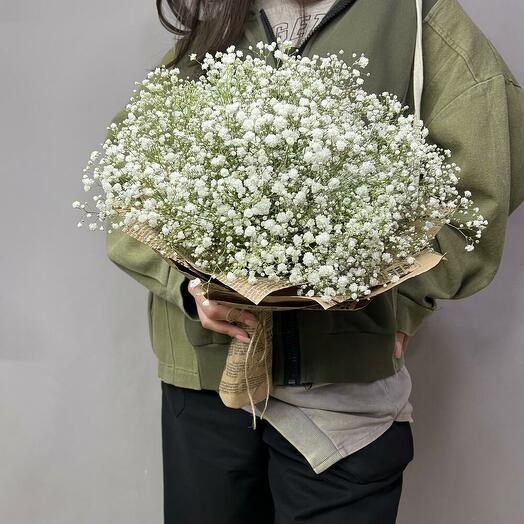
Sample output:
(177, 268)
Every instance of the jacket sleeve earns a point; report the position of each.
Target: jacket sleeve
(484, 128)
(140, 261)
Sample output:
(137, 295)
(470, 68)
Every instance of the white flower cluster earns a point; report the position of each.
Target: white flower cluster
(282, 166)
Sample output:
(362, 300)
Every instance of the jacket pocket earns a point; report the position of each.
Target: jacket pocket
(200, 336)
(159, 330)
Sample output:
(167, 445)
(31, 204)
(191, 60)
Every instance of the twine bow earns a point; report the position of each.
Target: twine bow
(247, 375)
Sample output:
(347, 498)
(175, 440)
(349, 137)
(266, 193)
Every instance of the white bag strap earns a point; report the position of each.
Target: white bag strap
(418, 69)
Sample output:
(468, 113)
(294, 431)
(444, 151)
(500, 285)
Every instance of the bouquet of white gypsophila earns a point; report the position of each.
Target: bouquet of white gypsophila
(274, 171)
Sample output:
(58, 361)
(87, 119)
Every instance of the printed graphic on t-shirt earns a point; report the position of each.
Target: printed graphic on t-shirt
(302, 26)
(287, 21)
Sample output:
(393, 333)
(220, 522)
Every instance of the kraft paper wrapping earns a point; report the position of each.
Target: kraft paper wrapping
(247, 377)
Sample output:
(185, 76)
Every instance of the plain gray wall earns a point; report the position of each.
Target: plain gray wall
(79, 397)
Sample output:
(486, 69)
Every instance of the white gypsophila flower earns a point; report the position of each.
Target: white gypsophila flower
(292, 172)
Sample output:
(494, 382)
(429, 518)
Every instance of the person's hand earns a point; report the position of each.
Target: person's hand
(401, 341)
(219, 318)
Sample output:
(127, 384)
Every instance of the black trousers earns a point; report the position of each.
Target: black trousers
(218, 470)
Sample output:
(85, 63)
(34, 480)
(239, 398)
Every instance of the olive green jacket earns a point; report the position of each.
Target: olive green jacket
(471, 103)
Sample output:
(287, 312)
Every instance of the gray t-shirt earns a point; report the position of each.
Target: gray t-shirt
(328, 422)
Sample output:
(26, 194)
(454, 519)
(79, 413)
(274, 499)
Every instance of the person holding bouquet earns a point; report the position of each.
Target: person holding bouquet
(336, 435)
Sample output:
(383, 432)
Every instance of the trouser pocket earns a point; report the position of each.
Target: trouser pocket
(386, 456)
(173, 399)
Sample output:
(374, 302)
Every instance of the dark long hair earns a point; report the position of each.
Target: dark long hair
(222, 24)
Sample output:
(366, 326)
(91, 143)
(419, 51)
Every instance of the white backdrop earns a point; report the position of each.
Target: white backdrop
(79, 397)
